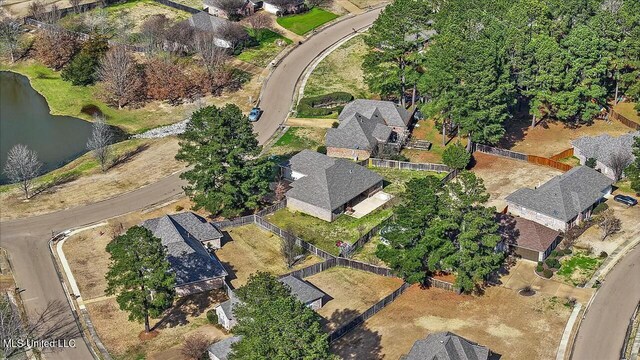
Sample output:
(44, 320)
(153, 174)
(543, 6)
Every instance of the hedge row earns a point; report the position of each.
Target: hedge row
(323, 105)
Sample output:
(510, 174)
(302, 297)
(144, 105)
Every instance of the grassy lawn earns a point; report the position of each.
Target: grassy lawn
(325, 234)
(368, 252)
(571, 160)
(267, 49)
(303, 23)
(341, 71)
(509, 324)
(252, 249)
(627, 110)
(426, 130)
(66, 99)
(578, 268)
(398, 178)
(351, 291)
(298, 138)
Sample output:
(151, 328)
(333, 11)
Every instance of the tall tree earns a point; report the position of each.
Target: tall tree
(10, 36)
(22, 167)
(100, 141)
(456, 156)
(121, 79)
(275, 325)
(140, 275)
(226, 175)
(83, 68)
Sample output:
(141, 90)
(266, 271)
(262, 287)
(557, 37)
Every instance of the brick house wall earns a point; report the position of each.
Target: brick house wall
(200, 286)
(348, 153)
(297, 205)
(542, 219)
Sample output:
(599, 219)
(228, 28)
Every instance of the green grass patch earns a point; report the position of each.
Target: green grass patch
(578, 268)
(367, 253)
(397, 178)
(298, 138)
(624, 186)
(570, 160)
(266, 50)
(627, 109)
(325, 234)
(303, 23)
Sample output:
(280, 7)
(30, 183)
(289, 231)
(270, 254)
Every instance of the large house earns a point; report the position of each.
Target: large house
(364, 125)
(249, 7)
(530, 240)
(302, 290)
(325, 187)
(604, 148)
(446, 346)
(185, 236)
(207, 23)
(281, 8)
(564, 201)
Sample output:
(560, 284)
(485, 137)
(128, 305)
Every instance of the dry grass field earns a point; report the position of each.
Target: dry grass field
(517, 327)
(350, 292)
(250, 249)
(503, 176)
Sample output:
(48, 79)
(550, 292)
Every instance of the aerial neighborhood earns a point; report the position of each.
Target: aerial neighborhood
(320, 179)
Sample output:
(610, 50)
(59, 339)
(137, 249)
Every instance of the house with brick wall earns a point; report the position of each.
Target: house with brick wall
(528, 239)
(185, 236)
(564, 201)
(604, 148)
(247, 9)
(325, 187)
(364, 125)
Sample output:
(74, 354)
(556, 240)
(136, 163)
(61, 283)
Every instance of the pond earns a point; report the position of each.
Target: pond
(25, 119)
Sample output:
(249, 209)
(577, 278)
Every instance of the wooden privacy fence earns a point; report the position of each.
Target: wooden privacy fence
(449, 177)
(404, 165)
(499, 152)
(273, 208)
(225, 224)
(355, 322)
(440, 284)
(288, 236)
(548, 162)
(369, 235)
(561, 155)
(312, 269)
(178, 6)
(624, 120)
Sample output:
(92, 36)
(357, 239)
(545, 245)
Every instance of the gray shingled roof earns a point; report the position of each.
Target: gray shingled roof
(359, 132)
(204, 21)
(602, 147)
(227, 306)
(446, 346)
(187, 256)
(391, 113)
(302, 290)
(222, 348)
(329, 183)
(564, 196)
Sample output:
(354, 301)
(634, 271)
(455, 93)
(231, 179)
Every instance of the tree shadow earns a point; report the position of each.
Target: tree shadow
(359, 343)
(128, 156)
(190, 306)
(62, 179)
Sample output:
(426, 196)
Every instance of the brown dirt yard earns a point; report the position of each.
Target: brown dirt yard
(248, 249)
(350, 292)
(155, 160)
(503, 176)
(514, 326)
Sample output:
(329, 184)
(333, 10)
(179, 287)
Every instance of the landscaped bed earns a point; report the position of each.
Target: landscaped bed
(305, 22)
(325, 234)
(351, 292)
(266, 50)
(578, 268)
(517, 327)
(252, 249)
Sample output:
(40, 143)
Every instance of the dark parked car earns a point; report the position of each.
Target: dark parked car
(627, 200)
(254, 114)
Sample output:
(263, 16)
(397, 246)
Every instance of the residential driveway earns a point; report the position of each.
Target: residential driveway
(503, 176)
(523, 274)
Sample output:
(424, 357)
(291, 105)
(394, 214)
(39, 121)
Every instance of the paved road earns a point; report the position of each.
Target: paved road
(27, 239)
(602, 331)
(278, 93)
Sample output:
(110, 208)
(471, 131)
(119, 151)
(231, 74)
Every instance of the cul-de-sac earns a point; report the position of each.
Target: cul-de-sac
(319, 179)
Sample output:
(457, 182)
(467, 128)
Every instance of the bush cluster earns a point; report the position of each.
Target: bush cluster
(212, 316)
(323, 105)
(552, 263)
(547, 273)
(600, 208)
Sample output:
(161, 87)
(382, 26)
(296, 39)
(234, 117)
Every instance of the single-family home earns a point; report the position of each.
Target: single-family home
(364, 125)
(247, 9)
(220, 350)
(184, 236)
(281, 7)
(564, 201)
(205, 22)
(302, 290)
(607, 150)
(325, 187)
(446, 346)
(528, 239)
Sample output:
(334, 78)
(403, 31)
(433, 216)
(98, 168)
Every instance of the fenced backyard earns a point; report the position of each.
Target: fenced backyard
(404, 165)
(624, 120)
(539, 160)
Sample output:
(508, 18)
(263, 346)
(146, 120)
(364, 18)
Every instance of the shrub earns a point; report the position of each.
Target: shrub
(547, 273)
(83, 69)
(335, 124)
(555, 253)
(552, 263)
(195, 347)
(600, 208)
(603, 254)
(539, 268)
(322, 149)
(212, 317)
(567, 251)
(323, 105)
(179, 207)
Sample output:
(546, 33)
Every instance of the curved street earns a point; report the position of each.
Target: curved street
(603, 329)
(27, 239)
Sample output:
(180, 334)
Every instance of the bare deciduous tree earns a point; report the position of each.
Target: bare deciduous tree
(36, 10)
(10, 36)
(121, 80)
(234, 33)
(98, 21)
(22, 167)
(280, 190)
(52, 15)
(618, 162)
(195, 346)
(315, 3)
(100, 141)
(608, 223)
(231, 8)
(154, 31)
(291, 252)
(258, 22)
(75, 4)
(55, 48)
(213, 57)
(179, 36)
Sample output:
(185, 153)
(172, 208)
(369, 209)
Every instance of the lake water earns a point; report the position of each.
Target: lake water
(25, 119)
